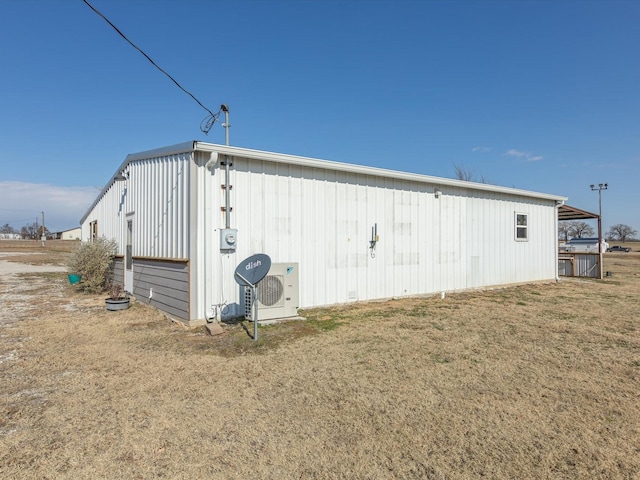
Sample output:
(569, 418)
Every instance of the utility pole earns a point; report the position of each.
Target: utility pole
(44, 236)
(600, 187)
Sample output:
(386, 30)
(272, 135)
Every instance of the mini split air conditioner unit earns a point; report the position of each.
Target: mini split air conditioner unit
(277, 293)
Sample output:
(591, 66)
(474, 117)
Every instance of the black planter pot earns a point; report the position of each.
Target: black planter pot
(117, 304)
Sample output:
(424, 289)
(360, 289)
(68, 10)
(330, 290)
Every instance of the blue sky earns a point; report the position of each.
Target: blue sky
(541, 96)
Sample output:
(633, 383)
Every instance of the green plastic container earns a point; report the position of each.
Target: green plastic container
(73, 278)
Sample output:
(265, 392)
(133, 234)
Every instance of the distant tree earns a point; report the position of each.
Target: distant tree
(6, 228)
(463, 173)
(468, 174)
(580, 229)
(622, 232)
(564, 231)
(31, 230)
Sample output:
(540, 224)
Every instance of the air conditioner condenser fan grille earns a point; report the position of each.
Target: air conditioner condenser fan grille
(270, 294)
(277, 294)
(271, 291)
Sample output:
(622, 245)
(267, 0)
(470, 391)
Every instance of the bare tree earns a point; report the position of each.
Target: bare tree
(580, 229)
(31, 230)
(622, 232)
(468, 174)
(564, 231)
(464, 173)
(6, 228)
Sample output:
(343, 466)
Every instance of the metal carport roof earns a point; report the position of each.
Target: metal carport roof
(566, 212)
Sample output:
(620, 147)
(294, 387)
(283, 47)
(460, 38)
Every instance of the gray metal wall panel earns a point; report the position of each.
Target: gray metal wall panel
(118, 270)
(169, 282)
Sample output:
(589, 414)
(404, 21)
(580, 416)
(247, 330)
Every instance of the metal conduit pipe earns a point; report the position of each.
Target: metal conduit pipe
(227, 200)
(227, 187)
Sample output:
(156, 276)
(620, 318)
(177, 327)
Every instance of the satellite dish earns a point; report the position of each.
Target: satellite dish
(251, 270)
(248, 273)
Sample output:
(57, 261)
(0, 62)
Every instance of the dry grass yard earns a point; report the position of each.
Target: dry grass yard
(530, 382)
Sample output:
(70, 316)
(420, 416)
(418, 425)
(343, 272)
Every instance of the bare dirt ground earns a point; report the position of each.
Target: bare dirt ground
(528, 382)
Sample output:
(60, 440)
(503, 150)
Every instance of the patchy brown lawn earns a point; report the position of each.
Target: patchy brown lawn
(537, 381)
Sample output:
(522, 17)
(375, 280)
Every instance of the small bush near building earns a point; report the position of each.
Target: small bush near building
(92, 261)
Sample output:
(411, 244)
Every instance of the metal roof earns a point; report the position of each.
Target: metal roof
(579, 241)
(566, 212)
(363, 170)
(194, 145)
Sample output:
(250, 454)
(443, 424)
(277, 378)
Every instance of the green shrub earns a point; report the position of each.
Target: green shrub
(93, 262)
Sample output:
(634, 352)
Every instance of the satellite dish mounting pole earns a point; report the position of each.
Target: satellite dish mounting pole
(248, 274)
(254, 294)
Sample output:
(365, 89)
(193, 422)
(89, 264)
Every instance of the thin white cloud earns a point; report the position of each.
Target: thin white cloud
(515, 153)
(481, 149)
(23, 202)
(525, 156)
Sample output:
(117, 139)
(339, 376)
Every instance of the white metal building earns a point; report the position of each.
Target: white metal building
(71, 234)
(186, 215)
(589, 245)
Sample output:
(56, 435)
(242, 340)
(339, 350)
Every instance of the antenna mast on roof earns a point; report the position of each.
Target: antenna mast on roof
(226, 124)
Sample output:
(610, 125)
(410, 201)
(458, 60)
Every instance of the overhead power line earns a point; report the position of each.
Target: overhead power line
(22, 211)
(209, 120)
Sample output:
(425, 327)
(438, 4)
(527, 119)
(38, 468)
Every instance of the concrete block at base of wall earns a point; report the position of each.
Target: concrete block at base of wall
(214, 328)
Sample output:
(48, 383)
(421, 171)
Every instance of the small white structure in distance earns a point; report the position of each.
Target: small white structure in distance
(71, 234)
(583, 245)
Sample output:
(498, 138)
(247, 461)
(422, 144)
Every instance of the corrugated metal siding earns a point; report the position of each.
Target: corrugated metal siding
(109, 213)
(159, 198)
(323, 219)
(156, 192)
(579, 265)
(156, 197)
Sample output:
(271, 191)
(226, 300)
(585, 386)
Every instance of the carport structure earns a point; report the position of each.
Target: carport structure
(580, 264)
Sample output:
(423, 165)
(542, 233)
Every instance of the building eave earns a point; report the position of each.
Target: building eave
(252, 154)
(363, 170)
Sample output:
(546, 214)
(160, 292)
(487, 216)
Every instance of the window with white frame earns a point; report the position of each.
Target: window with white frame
(522, 227)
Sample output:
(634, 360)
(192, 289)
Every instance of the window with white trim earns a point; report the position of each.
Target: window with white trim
(522, 228)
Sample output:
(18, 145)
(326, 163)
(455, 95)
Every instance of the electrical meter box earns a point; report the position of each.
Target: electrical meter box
(228, 239)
